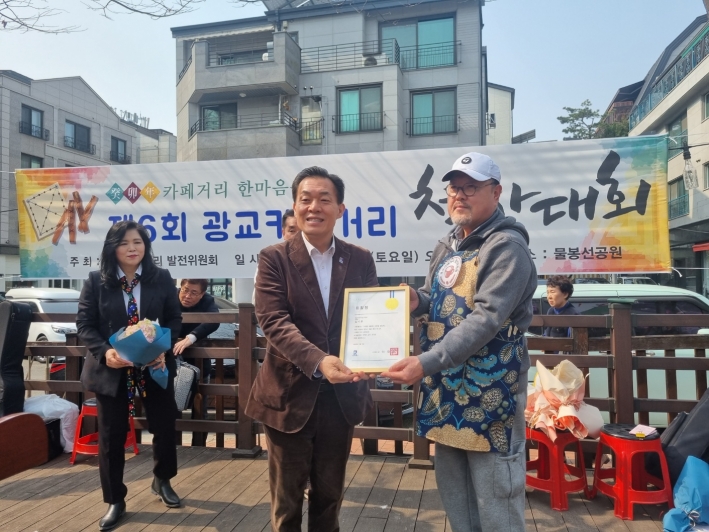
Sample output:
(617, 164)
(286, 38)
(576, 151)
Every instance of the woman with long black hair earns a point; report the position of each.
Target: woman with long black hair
(127, 288)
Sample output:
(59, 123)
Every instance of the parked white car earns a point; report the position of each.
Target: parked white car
(48, 300)
(593, 299)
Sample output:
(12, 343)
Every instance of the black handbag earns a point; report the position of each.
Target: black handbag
(687, 435)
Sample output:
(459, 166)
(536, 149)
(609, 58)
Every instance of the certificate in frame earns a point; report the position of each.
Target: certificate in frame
(375, 328)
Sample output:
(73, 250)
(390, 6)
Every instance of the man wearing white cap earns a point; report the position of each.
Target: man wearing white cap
(477, 303)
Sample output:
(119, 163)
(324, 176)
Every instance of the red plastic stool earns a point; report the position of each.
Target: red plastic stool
(89, 444)
(631, 477)
(552, 468)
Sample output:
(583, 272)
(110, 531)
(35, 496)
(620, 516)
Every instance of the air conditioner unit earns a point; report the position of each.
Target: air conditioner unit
(374, 60)
(268, 56)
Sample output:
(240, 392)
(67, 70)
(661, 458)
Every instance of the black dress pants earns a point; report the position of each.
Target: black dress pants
(318, 451)
(161, 412)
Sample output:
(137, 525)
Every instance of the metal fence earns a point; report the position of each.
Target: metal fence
(71, 142)
(184, 69)
(679, 206)
(241, 50)
(428, 56)
(686, 62)
(120, 157)
(432, 125)
(246, 121)
(358, 122)
(374, 53)
(312, 131)
(346, 56)
(34, 131)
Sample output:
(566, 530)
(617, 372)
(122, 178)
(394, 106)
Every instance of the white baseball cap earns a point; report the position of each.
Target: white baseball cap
(476, 165)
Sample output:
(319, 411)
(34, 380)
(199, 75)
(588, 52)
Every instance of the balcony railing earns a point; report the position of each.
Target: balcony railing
(312, 131)
(245, 121)
(428, 56)
(679, 206)
(374, 53)
(432, 125)
(358, 122)
(687, 62)
(346, 56)
(119, 157)
(34, 131)
(71, 142)
(184, 69)
(241, 50)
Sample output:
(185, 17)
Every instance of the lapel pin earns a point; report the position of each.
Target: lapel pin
(341, 261)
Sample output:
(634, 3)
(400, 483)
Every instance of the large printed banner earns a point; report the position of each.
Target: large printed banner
(590, 206)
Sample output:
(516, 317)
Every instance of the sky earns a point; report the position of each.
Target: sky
(555, 53)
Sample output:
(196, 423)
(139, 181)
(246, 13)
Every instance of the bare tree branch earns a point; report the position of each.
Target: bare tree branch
(154, 9)
(30, 15)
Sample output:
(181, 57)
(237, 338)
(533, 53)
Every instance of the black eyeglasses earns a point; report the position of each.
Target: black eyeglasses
(469, 190)
(187, 292)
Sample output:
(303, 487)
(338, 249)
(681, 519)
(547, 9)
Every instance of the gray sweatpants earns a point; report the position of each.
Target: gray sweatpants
(484, 492)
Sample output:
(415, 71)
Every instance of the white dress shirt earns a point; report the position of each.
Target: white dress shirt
(322, 262)
(136, 288)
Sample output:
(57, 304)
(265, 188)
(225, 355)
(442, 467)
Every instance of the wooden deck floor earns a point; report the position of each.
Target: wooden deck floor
(221, 494)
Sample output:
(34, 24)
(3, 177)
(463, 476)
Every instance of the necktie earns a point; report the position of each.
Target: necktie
(135, 376)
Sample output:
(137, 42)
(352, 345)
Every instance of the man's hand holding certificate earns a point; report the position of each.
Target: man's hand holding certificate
(375, 331)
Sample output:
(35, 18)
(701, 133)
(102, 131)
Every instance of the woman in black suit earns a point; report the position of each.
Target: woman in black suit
(129, 287)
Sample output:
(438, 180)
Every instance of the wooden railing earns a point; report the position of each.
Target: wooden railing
(622, 355)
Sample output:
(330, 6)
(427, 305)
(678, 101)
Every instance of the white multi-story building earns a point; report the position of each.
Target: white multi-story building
(500, 104)
(313, 77)
(56, 123)
(674, 100)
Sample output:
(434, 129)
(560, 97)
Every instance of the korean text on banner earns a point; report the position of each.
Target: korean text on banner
(596, 206)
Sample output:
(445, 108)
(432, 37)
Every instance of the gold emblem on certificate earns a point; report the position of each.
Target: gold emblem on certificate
(375, 328)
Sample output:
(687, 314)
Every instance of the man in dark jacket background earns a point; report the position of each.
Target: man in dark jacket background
(194, 298)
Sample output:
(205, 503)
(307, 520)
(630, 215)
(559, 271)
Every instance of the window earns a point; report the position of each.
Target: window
(676, 189)
(422, 44)
(78, 137)
(30, 161)
(360, 109)
(118, 150)
(219, 117)
(706, 106)
(433, 112)
(678, 136)
(678, 199)
(32, 122)
(706, 175)
(241, 58)
(665, 307)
